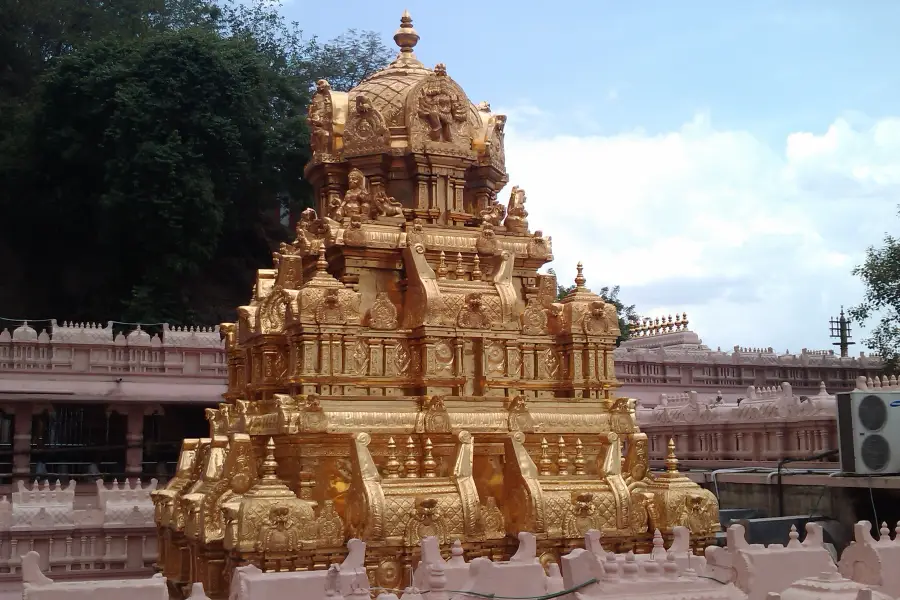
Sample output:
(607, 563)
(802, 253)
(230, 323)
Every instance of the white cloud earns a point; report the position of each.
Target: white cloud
(755, 243)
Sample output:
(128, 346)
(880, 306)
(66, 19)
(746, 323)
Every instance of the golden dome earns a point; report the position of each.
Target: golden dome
(405, 107)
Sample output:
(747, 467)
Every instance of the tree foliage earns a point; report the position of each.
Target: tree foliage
(880, 273)
(627, 314)
(152, 143)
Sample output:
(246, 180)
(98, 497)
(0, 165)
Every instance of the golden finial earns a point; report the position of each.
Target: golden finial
(412, 463)
(545, 463)
(562, 461)
(460, 272)
(476, 269)
(579, 457)
(429, 464)
(392, 466)
(671, 459)
(579, 279)
(269, 465)
(684, 320)
(442, 267)
(406, 37)
(321, 263)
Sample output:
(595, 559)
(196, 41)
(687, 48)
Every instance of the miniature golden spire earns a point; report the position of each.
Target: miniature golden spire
(545, 463)
(321, 263)
(269, 465)
(684, 320)
(579, 457)
(412, 463)
(392, 466)
(671, 459)
(406, 37)
(476, 270)
(579, 279)
(429, 464)
(442, 267)
(562, 461)
(460, 272)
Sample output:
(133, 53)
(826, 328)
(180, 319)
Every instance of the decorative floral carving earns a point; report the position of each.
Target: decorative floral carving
(277, 533)
(383, 314)
(436, 420)
(516, 215)
(361, 358)
(494, 527)
(534, 318)
(401, 358)
(427, 521)
(472, 315)
(496, 358)
(601, 318)
(366, 129)
(582, 516)
(551, 362)
(443, 358)
(331, 528)
(329, 310)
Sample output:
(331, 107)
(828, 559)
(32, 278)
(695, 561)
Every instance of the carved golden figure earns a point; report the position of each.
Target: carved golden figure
(392, 378)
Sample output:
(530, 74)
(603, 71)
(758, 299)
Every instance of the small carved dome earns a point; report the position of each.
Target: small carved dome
(405, 107)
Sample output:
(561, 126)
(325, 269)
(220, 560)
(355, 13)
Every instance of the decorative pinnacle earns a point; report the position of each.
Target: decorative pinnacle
(429, 464)
(406, 37)
(545, 463)
(579, 279)
(269, 465)
(671, 459)
(392, 466)
(321, 263)
(476, 269)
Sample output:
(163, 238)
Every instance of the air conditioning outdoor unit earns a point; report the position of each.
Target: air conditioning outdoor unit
(868, 423)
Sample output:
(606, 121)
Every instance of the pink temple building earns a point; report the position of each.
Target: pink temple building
(136, 394)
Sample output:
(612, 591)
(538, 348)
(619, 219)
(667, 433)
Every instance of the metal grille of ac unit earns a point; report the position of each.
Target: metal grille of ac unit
(872, 413)
(875, 451)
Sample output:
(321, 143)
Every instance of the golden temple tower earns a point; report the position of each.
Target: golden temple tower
(404, 371)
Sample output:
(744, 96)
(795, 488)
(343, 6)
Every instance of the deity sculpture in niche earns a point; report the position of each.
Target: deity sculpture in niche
(440, 107)
(320, 118)
(335, 208)
(357, 200)
(516, 215)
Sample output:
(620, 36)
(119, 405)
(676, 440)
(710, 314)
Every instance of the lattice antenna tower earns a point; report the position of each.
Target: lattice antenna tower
(840, 331)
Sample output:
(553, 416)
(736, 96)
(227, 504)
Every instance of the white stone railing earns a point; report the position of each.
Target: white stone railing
(92, 348)
(116, 534)
(767, 425)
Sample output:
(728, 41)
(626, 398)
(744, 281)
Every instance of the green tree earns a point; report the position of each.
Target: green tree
(880, 273)
(627, 314)
(156, 140)
(164, 148)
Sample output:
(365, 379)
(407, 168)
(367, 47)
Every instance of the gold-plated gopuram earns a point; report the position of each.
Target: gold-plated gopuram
(404, 371)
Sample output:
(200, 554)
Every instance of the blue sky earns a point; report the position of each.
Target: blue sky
(752, 148)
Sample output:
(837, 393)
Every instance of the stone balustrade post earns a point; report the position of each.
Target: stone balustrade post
(21, 463)
(134, 439)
